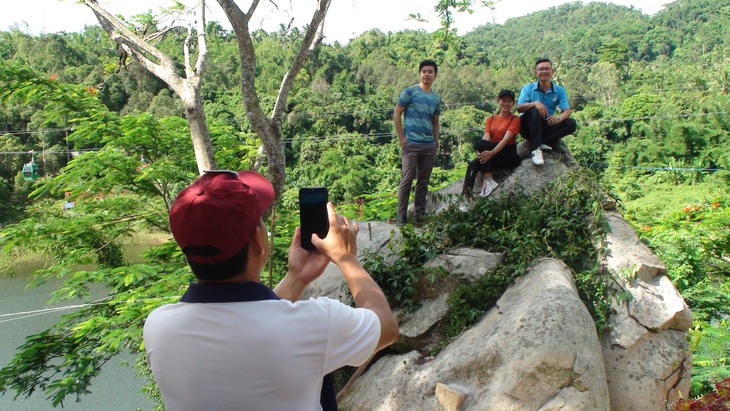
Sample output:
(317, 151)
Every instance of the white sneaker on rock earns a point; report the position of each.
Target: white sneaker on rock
(537, 157)
(545, 147)
(488, 187)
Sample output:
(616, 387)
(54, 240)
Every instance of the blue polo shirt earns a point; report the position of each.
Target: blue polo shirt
(553, 98)
(420, 107)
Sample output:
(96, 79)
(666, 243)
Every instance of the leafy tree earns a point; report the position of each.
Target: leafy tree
(640, 105)
(619, 66)
(605, 78)
(187, 87)
(269, 128)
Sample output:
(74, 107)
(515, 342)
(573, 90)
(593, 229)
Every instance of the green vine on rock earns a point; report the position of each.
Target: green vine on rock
(564, 221)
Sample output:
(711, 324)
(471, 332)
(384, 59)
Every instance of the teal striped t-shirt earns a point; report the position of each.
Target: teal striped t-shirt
(420, 109)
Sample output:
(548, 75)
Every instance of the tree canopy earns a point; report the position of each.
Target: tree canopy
(649, 93)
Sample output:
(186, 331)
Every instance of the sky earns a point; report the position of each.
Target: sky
(345, 20)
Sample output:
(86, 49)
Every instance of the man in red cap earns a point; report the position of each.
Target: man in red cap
(232, 343)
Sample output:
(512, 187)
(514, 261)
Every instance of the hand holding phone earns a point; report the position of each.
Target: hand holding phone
(313, 217)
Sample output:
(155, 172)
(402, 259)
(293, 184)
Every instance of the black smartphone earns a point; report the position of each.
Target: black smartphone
(313, 214)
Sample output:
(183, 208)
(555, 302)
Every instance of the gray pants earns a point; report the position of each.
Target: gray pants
(416, 162)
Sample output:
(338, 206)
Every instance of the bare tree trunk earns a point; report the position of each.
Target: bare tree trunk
(269, 128)
(162, 66)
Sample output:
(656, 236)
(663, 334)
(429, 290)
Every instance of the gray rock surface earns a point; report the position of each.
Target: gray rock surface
(646, 352)
(536, 350)
(415, 327)
(526, 178)
(627, 254)
(372, 237)
(468, 264)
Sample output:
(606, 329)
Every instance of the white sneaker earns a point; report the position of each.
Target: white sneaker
(488, 187)
(537, 157)
(545, 147)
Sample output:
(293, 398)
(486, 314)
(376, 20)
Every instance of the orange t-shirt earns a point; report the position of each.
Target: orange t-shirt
(497, 126)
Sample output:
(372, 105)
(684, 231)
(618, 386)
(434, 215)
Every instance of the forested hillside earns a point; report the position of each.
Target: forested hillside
(651, 95)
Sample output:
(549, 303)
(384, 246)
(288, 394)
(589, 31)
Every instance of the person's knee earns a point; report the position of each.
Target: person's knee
(570, 125)
(482, 145)
(532, 112)
(529, 120)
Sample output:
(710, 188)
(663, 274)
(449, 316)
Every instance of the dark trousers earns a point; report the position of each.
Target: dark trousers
(416, 162)
(507, 158)
(536, 129)
(328, 396)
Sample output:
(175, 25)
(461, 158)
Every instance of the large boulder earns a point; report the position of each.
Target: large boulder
(373, 237)
(467, 264)
(526, 178)
(536, 350)
(646, 351)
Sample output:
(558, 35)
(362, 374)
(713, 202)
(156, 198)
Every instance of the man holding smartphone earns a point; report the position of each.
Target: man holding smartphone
(419, 139)
(232, 343)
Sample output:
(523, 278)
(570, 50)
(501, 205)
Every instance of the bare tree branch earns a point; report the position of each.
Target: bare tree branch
(162, 66)
(312, 38)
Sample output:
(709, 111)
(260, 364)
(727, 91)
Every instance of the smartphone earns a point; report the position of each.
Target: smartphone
(313, 214)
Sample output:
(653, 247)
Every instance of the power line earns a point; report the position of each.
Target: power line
(68, 151)
(48, 130)
(20, 315)
(351, 136)
(330, 114)
(649, 168)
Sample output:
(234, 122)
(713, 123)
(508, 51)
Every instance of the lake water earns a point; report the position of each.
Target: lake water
(116, 388)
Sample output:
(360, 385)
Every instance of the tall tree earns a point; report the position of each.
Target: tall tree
(138, 46)
(269, 127)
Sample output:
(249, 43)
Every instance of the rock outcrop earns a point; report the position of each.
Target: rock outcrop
(646, 351)
(538, 348)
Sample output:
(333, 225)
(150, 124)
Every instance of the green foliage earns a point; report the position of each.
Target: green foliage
(470, 301)
(615, 62)
(400, 279)
(640, 105)
(711, 355)
(563, 223)
(692, 241)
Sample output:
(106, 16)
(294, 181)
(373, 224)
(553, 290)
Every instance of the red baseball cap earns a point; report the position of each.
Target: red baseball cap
(219, 213)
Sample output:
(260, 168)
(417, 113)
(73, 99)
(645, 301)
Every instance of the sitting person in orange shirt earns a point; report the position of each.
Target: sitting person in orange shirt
(497, 148)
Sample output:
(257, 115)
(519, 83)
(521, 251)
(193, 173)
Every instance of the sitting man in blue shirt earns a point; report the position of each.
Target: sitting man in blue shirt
(537, 103)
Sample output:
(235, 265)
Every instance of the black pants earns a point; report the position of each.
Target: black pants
(535, 129)
(507, 158)
(328, 396)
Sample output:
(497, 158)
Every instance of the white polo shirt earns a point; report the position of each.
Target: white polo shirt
(234, 347)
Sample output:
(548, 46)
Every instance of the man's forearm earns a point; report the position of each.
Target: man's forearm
(436, 131)
(367, 294)
(290, 288)
(565, 114)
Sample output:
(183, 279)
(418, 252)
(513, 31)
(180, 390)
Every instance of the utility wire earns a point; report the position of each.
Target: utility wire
(20, 315)
(64, 151)
(330, 114)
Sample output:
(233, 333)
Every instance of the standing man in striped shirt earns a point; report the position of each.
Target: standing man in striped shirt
(418, 139)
